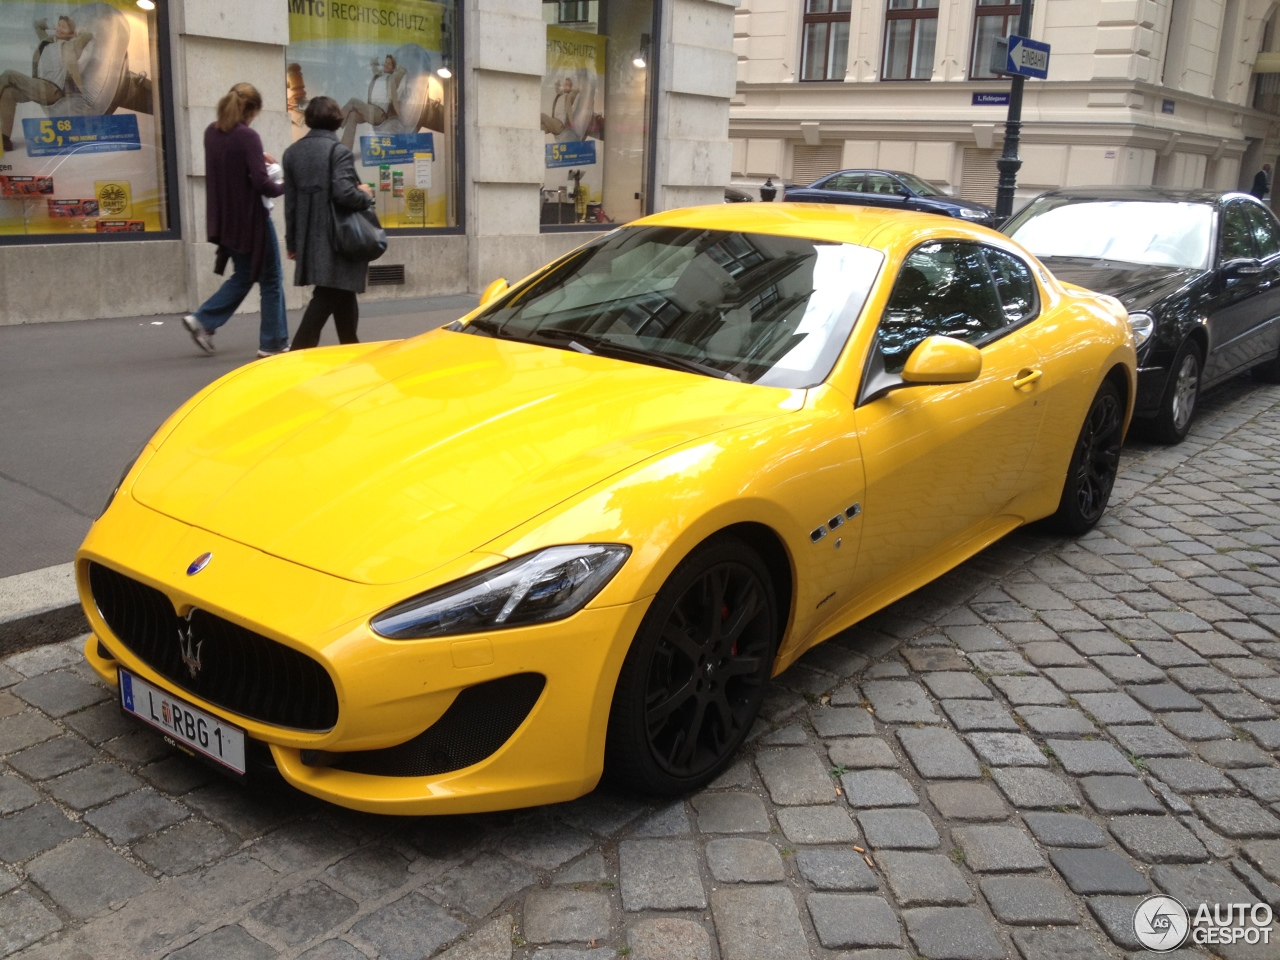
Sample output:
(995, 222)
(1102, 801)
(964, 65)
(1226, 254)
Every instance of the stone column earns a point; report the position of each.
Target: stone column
(506, 58)
(697, 78)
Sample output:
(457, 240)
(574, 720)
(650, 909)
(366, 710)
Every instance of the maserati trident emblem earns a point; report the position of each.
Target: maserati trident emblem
(189, 647)
(198, 564)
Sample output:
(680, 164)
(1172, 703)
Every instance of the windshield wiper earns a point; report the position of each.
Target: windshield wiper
(607, 347)
(483, 325)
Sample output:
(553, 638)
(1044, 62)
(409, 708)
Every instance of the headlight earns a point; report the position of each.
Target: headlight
(1143, 325)
(966, 214)
(548, 585)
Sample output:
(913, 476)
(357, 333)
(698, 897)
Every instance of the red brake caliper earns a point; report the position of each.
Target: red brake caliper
(724, 616)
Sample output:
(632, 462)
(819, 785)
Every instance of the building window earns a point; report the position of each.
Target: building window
(993, 18)
(600, 64)
(910, 34)
(825, 50)
(85, 121)
(395, 77)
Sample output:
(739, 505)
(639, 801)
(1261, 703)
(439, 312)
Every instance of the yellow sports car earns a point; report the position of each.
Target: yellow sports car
(577, 531)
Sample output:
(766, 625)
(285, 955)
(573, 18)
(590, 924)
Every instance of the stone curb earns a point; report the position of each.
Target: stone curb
(39, 607)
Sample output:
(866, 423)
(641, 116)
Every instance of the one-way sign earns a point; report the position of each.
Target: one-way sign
(1020, 55)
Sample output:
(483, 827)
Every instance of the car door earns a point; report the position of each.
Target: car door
(1240, 307)
(881, 190)
(1265, 342)
(943, 461)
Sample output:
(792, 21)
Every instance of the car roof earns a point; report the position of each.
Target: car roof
(838, 223)
(892, 173)
(1141, 193)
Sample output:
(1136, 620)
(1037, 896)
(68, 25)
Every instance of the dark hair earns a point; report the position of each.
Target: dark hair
(239, 105)
(323, 113)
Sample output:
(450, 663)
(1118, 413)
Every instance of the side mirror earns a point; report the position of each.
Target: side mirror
(1241, 267)
(493, 291)
(943, 360)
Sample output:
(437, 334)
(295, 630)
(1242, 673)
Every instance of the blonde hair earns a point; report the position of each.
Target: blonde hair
(240, 102)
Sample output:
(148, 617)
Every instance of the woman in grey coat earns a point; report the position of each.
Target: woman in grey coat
(319, 173)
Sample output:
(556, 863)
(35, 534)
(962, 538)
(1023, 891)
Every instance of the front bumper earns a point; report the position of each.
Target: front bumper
(389, 691)
(1151, 386)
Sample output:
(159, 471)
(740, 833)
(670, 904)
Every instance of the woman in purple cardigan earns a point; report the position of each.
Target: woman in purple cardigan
(239, 180)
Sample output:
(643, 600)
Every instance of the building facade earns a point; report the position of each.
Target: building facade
(497, 134)
(1180, 93)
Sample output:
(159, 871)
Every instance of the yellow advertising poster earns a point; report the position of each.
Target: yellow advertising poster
(380, 60)
(82, 146)
(573, 123)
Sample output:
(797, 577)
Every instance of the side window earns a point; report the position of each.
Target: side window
(843, 181)
(943, 289)
(879, 183)
(1014, 285)
(1236, 240)
(1266, 236)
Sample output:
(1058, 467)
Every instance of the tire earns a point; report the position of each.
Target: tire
(689, 688)
(1178, 405)
(1094, 463)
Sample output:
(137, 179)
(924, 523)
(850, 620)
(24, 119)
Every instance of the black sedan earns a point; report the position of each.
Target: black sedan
(1198, 271)
(890, 188)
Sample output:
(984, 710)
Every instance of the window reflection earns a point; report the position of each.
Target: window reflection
(959, 290)
(749, 307)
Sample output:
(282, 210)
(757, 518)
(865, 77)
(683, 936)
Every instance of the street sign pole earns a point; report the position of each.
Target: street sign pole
(1009, 162)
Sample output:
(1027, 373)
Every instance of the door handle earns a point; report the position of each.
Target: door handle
(1026, 378)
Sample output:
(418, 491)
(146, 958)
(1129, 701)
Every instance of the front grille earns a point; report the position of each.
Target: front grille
(239, 670)
(479, 721)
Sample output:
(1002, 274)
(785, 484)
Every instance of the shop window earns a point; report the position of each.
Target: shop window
(393, 70)
(992, 19)
(600, 61)
(825, 46)
(910, 35)
(85, 122)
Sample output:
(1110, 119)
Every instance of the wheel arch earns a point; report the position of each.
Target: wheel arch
(1127, 384)
(770, 547)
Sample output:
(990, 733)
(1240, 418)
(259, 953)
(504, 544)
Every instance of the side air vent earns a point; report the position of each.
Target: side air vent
(386, 274)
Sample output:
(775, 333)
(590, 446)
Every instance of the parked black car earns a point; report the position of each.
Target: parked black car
(890, 188)
(1198, 271)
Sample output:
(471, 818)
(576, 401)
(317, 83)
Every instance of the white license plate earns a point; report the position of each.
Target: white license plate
(188, 725)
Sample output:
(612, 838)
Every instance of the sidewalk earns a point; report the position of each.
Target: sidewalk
(79, 399)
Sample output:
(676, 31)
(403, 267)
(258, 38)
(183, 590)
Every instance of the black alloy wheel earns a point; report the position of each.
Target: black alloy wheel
(1094, 463)
(1178, 405)
(696, 673)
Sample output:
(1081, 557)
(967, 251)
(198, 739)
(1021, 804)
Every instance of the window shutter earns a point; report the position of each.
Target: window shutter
(980, 177)
(809, 163)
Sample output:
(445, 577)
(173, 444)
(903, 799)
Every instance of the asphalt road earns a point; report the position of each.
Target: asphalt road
(77, 400)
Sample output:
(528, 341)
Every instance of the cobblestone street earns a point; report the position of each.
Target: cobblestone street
(1001, 765)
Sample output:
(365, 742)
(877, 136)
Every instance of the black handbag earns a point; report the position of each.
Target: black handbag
(355, 234)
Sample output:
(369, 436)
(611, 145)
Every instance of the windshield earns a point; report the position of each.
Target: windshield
(740, 306)
(1160, 233)
(919, 187)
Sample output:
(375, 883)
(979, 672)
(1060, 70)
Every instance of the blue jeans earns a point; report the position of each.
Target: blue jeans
(273, 334)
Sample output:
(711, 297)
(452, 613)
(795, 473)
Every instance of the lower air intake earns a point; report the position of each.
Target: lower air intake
(477, 723)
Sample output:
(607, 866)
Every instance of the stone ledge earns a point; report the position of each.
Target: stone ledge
(39, 607)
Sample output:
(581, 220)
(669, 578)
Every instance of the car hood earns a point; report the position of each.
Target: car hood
(379, 467)
(1137, 286)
